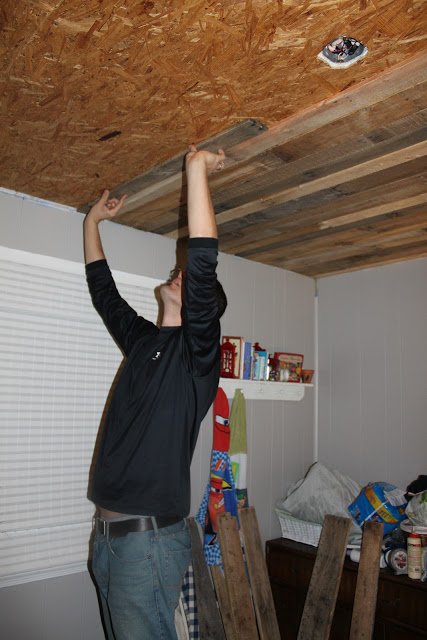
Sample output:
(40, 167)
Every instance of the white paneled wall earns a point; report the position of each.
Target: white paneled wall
(373, 372)
(275, 308)
(265, 304)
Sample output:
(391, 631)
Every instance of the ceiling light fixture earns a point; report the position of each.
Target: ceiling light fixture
(343, 52)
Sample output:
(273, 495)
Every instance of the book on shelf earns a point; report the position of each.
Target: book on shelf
(246, 362)
(255, 365)
(263, 365)
(259, 365)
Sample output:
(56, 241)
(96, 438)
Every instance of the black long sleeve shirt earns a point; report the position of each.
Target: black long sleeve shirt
(168, 382)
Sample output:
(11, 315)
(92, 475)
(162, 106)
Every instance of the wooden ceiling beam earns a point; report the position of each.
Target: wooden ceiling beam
(279, 216)
(167, 178)
(398, 183)
(354, 237)
(344, 254)
(370, 167)
(282, 244)
(318, 158)
(368, 260)
(361, 170)
(391, 82)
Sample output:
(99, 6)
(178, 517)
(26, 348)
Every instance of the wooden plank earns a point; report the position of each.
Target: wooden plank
(210, 624)
(242, 611)
(383, 86)
(298, 218)
(323, 589)
(308, 225)
(150, 203)
(258, 575)
(288, 165)
(320, 162)
(167, 177)
(356, 234)
(366, 260)
(397, 115)
(373, 212)
(312, 231)
(393, 242)
(352, 173)
(268, 175)
(224, 601)
(365, 599)
(360, 170)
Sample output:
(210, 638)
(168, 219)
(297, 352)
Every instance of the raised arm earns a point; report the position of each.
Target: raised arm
(201, 215)
(105, 209)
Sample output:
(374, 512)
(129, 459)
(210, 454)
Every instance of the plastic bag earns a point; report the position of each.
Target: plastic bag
(322, 491)
(417, 509)
(379, 502)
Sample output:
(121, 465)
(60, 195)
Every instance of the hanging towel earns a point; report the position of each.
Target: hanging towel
(220, 495)
(238, 450)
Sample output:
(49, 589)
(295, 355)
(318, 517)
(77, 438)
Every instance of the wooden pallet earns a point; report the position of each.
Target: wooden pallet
(246, 608)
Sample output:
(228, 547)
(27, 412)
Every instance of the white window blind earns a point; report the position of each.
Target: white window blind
(58, 365)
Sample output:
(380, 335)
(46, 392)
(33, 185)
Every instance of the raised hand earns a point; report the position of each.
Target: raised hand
(106, 208)
(210, 161)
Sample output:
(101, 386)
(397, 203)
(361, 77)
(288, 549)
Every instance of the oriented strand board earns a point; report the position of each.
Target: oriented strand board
(109, 94)
(94, 94)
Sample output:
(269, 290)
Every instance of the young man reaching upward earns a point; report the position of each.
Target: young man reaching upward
(141, 483)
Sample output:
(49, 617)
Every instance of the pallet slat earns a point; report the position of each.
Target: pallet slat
(323, 589)
(224, 601)
(365, 599)
(242, 611)
(210, 625)
(258, 575)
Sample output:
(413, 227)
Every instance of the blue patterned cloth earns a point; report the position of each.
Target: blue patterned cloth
(221, 470)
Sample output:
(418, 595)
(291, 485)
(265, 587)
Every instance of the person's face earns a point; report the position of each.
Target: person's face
(171, 292)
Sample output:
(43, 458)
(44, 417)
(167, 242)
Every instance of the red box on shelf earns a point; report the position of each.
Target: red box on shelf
(290, 366)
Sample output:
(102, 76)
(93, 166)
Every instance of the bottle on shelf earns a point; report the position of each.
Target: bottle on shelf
(414, 556)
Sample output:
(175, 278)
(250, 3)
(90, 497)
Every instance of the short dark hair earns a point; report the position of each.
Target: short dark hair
(221, 299)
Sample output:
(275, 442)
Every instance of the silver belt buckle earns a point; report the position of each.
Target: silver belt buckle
(102, 526)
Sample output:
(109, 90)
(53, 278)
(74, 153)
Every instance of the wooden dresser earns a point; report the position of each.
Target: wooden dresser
(401, 612)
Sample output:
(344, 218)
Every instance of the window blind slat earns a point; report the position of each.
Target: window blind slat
(58, 365)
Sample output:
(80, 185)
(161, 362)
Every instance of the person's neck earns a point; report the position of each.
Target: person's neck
(171, 320)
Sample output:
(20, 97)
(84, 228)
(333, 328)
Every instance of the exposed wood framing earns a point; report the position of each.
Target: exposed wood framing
(337, 188)
(326, 170)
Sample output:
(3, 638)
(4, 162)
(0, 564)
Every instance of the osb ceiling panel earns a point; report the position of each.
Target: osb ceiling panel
(100, 93)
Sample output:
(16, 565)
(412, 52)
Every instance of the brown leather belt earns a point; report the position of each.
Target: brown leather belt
(117, 528)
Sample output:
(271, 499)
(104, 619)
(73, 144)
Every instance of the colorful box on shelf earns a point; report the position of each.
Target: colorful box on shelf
(290, 366)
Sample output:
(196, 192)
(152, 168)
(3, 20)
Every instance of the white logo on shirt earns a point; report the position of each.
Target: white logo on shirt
(157, 356)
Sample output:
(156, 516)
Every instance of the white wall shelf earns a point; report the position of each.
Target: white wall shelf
(258, 390)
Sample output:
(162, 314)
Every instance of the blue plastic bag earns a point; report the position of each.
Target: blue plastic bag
(379, 502)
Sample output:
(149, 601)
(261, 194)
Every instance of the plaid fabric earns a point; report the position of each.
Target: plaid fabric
(188, 595)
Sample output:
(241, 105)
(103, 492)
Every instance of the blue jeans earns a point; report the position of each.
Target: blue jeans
(139, 578)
